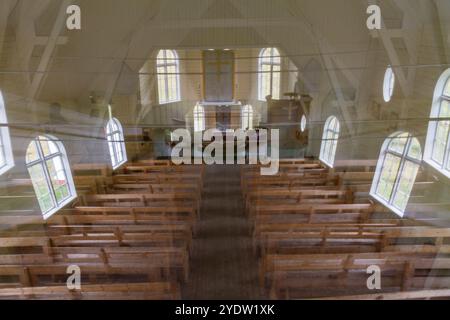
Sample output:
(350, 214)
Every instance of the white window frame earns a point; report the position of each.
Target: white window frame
(388, 84)
(5, 140)
(247, 117)
(303, 123)
(404, 158)
(162, 61)
(42, 162)
(328, 146)
(116, 147)
(199, 118)
(438, 99)
(275, 60)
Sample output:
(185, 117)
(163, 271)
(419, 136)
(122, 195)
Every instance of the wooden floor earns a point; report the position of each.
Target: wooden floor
(222, 264)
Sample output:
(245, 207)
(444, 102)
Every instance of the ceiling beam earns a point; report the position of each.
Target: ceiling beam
(52, 42)
(328, 61)
(409, 33)
(225, 23)
(5, 9)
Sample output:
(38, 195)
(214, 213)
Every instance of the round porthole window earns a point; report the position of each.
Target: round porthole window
(303, 123)
(388, 84)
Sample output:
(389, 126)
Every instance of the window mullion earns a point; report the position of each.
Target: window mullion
(271, 78)
(400, 170)
(166, 80)
(47, 174)
(446, 150)
(114, 147)
(381, 172)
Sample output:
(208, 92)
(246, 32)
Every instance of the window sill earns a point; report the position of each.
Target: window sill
(390, 207)
(6, 168)
(169, 102)
(59, 207)
(331, 166)
(119, 164)
(436, 167)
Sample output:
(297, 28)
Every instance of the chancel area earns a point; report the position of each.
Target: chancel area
(224, 149)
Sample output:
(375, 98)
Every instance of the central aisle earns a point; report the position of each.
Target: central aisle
(222, 264)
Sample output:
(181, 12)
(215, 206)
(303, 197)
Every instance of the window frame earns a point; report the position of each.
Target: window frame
(274, 54)
(165, 64)
(42, 163)
(404, 158)
(116, 144)
(439, 97)
(329, 145)
(5, 139)
(247, 117)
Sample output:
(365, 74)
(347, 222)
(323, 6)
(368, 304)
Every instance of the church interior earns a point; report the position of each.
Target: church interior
(94, 94)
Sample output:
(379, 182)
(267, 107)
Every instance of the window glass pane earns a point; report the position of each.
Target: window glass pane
(111, 152)
(275, 56)
(41, 187)
(58, 178)
(447, 88)
(265, 55)
(32, 152)
(444, 109)
(276, 82)
(118, 142)
(3, 160)
(406, 184)
(2, 154)
(170, 57)
(333, 151)
(447, 167)
(172, 89)
(162, 88)
(442, 131)
(48, 147)
(415, 150)
(114, 125)
(265, 81)
(388, 175)
(325, 149)
(398, 143)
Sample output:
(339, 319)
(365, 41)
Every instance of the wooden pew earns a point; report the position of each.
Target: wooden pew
(408, 295)
(16, 276)
(297, 276)
(144, 168)
(92, 169)
(164, 263)
(370, 238)
(311, 212)
(279, 196)
(142, 200)
(126, 291)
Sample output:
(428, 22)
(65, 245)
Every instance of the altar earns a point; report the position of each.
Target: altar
(222, 115)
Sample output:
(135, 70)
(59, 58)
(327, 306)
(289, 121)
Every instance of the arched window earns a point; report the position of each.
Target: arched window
(303, 123)
(388, 84)
(199, 118)
(269, 74)
(50, 174)
(329, 141)
(168, 76)
(116, 143)
(247, 117)
(6, 154)
(396, 171)
(437, 147)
